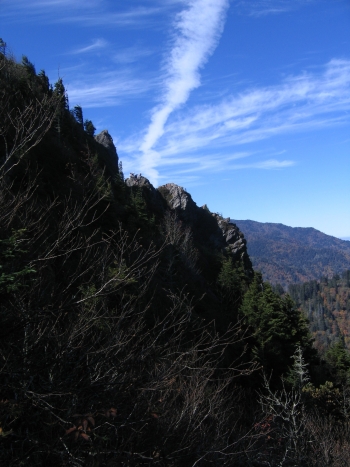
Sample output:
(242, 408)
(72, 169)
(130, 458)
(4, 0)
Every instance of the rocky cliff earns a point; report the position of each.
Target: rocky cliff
(110, 152)
(211, 229)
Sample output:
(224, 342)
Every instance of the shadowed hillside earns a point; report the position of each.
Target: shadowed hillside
(133, 330)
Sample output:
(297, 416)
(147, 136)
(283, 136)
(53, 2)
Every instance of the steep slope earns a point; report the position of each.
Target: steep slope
(131, 323)
(108, 300)
(287, 255)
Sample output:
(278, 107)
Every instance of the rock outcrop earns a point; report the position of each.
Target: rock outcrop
(152, 197)
(106, 140)
(221, 234)
(208, 228)
(139, 181)
(111, 155)
(234, 239)
(179, 200)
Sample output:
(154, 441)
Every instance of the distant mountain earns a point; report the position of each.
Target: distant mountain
(288, 255)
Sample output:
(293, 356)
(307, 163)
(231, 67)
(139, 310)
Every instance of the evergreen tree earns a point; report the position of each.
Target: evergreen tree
(44, 80)
(278, 328)
(2, 47)
(78, 115)
(89, 127)
(232, 284)
(60, 92)
(338, 359)
(120, 169)
(30, 68)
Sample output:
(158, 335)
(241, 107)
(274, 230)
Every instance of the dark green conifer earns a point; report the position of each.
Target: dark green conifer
(278, 327)
(29, 67)
(78, 115)
(89, 127)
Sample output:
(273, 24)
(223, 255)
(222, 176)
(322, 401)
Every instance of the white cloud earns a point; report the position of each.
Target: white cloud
(194, 168)
(40, 6)
(105, 89)
(97, 44)
(268, 7)
(139, 16)
(88, 12)
(198, 28)
(300, 103)
(131, 54)
(268, 164)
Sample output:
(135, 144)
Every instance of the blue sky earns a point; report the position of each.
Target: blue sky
(244, 103)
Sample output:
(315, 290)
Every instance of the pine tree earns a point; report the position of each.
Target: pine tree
(44, 80)
(61, 95)
(232, 284)
(278, 328)
(30, 68)
(89, 127)
(78, 115)
(3, 46)
(60, 91)
(338, 359)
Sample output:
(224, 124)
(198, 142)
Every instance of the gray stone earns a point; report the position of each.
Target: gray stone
(139, 181)
(106, 140)
(178, 199)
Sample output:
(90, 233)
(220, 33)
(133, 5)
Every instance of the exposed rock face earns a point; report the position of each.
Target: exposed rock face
(234, 238)
(178, 199)
(209, 228)
(222, 235)
(152, 197)
(140, 181)
(106, 140)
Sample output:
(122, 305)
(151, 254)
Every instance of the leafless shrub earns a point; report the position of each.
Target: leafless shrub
(27, 112)
(283, 429)
(329, 440)
(21, 129)
(90, 372)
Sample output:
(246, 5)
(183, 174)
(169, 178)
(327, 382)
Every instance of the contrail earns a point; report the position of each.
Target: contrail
(197, 31)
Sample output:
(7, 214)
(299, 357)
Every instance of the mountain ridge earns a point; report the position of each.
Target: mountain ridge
(288, 255)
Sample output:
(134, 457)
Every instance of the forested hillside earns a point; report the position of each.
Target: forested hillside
(133, 328)
(326, 303)
(287, 255)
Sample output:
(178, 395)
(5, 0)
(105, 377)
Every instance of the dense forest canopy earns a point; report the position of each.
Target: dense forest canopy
(133, 329)
(326, 303)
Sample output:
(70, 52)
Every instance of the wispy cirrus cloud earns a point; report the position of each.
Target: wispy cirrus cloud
(267, 165)
(40, 7)
(131, 54)
(269, 7)
(193, 170)
(89, 13)
(197, 31)
(128, 17)
(96, 45)
(300, 103)
(106, 89)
